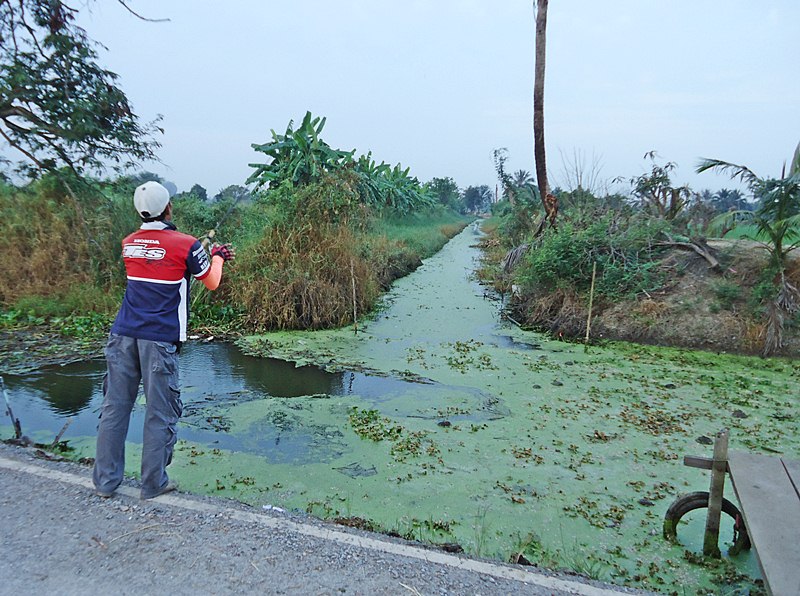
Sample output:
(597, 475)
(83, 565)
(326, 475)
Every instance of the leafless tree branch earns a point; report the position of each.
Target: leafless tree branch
(138, 16)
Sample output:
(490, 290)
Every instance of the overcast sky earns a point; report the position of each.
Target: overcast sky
(437, 85)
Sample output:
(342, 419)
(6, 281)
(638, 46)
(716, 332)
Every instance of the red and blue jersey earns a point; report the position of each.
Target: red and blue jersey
(159, 262)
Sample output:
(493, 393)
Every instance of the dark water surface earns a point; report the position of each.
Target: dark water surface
(214, 378)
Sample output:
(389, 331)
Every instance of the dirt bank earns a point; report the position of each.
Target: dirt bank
(699, 306)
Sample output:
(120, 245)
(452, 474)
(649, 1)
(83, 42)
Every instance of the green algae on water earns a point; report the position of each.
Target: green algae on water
(586, 456)
(463, 430)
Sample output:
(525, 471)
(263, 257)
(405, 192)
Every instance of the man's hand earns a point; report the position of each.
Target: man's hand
(226, 251)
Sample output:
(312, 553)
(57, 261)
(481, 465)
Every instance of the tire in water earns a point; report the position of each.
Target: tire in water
(699, 500)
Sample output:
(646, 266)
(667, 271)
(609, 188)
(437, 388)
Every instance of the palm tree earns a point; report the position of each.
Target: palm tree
(655, 192)
(777, 218)
(522, 178)
(549, 201)
(776, 222)
(725, 200)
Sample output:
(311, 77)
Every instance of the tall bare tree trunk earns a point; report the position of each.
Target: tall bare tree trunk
(548, 200)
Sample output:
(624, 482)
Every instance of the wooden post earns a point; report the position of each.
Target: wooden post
(591, 299)
(718, 467)
(61, 433)
(355, 309)
(14, 420)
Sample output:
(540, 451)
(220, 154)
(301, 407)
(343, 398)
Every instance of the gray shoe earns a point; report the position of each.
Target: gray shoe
(170, 486)
(104, 495)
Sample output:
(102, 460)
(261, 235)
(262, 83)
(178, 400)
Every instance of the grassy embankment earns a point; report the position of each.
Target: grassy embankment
(303, 262)
(645, 290)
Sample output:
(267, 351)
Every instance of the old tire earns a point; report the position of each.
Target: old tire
(698, 500)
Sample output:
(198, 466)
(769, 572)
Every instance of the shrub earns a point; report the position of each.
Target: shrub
(515, 223)
(303, 278)
(623, 250)
(763, 291)
(727, 293)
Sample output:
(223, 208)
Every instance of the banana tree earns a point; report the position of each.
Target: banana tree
(382, 186)
(403, 193)
(371, 176)
(300, 156)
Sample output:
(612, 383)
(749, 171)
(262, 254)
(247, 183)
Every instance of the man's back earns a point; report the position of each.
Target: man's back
(158, 262)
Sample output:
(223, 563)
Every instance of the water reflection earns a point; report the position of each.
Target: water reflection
(67, 391)
(283, 379)
(217, 377)
(232, 371)
(206, 370)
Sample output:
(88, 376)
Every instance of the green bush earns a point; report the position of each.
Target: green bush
(515, 222)
(726, 293)
(623, 250)
(764, 291)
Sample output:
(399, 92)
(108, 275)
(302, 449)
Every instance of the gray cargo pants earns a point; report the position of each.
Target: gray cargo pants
(155, 364)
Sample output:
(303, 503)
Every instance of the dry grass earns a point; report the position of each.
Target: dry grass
(450, 230)
(44, 248)
(753, 338)
(559, 312)
(489, 271)
(793, 269)
(303, 279)
(650, 308)
(390, 259)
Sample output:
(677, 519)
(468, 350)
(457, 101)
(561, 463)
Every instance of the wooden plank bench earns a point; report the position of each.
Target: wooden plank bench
(768, 491)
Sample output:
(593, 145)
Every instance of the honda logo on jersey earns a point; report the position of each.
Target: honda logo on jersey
(138, 251)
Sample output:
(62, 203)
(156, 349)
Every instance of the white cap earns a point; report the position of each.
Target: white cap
(150, 199)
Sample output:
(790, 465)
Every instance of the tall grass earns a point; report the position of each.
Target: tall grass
(307, 258)
(397, 245)
(60, 240)
(303, 279)
(423, 233)
(326, 257)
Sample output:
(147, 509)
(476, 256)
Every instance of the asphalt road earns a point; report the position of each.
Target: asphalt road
(59, 538)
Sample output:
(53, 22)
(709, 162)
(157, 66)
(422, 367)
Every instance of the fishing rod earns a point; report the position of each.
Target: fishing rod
(209, 237)
(14, 420)
(213, 231)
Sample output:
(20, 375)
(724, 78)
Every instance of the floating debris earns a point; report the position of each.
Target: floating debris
(273, 508)
(451, 547)
(356, 470)
(358, 523)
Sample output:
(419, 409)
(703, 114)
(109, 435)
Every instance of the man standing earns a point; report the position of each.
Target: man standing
(145, 341)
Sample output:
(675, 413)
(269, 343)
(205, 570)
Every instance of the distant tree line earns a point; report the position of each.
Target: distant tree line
(472, 199)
